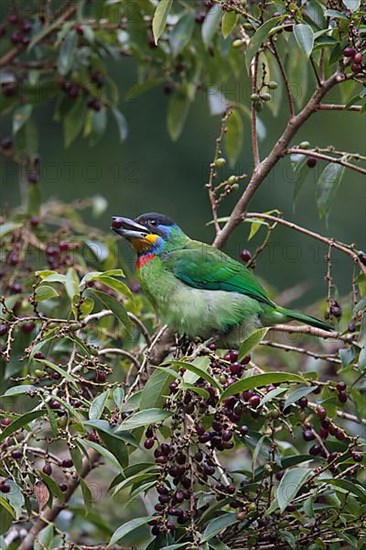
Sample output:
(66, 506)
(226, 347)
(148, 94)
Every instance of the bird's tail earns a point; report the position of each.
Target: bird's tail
(297, 316)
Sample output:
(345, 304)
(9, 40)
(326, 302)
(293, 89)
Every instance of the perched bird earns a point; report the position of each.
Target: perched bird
(196, 289)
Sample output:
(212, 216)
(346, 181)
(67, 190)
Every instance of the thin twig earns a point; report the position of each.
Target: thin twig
(347, 249)
(285, 347)
(124, 353)
(285, 79)
(254, 72)
(335, 107)
(328, 158)
(278, 151)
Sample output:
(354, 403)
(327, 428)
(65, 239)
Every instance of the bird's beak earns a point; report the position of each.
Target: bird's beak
(129, 228)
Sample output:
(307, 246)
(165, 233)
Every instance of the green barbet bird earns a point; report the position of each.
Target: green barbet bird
(196, 289)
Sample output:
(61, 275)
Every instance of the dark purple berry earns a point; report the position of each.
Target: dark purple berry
(5, 421)
(357, 58)
(341, 386)
(236, 368)
(342, 397)
(101, 376)
(3, 329)
(254, 401)
(149, 443)
(4, 487)
(349, 52)
(311, 162)
(321, 412)
(6, 143)
(67, 463)
(308, 435)
(323, 432)
(303, 402)
(12, 18)
(357, 457)
(38, 355)
(28, 327)
(47, 469)
(315, 450)
(16, 453)
(245, 256)
(200, 17)
(64, 487)
(244, 430)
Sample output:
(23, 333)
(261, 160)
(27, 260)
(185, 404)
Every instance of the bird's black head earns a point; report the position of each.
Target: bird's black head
(148, 231)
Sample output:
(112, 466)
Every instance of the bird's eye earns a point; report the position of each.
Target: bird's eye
(154, 223)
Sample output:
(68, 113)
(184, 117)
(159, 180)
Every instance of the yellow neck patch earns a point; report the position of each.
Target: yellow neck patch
(144, 244)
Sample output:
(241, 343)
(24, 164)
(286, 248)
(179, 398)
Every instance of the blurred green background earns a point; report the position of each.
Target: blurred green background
(148, 172)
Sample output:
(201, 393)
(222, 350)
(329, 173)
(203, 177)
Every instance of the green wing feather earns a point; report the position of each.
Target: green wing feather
(202, 266)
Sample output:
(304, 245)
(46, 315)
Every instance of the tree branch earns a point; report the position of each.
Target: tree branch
(334, 107)
(347, 249)
(328, 158)
(278, 151)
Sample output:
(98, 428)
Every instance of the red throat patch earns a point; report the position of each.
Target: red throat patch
(142, 260)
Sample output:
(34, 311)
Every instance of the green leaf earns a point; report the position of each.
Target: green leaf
(98, 404)
(177, 114)
(127, 528)
(73, 121)
(211, 24)
(52, 486)
(229, 21)
(18, 390)
(8, 227)
(297, 393)
(304, 37)
(117, 307)
(121, 123)
(20, 117)
(251, 342)
(58, 369)
(362, 360)
(160, 18)
(45, 292)
(291, 484)
(234, 137)
(218, 525)
(199, 368)
(271, 395)
(87, 495)
(98, 126)
(20, 422)
(260, 380)
(101, 450)
(352, 5)
(260, 36)
(67, 53)
(155, 390)
(348, 487)
(327, 185)
(15, 498)
(182, 32)
(144, 418)
(111, 282)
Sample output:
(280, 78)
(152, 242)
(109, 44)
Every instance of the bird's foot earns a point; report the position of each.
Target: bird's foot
(203, 348)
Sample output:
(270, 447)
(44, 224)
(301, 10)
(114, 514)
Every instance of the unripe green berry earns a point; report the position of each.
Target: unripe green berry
(265, 96)
(221, 161)
(272, 85)
(304, 145)
(232, 179)
(235, 187)
(237, 43)
(258, 106)
(39, 373)
(254, 97)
